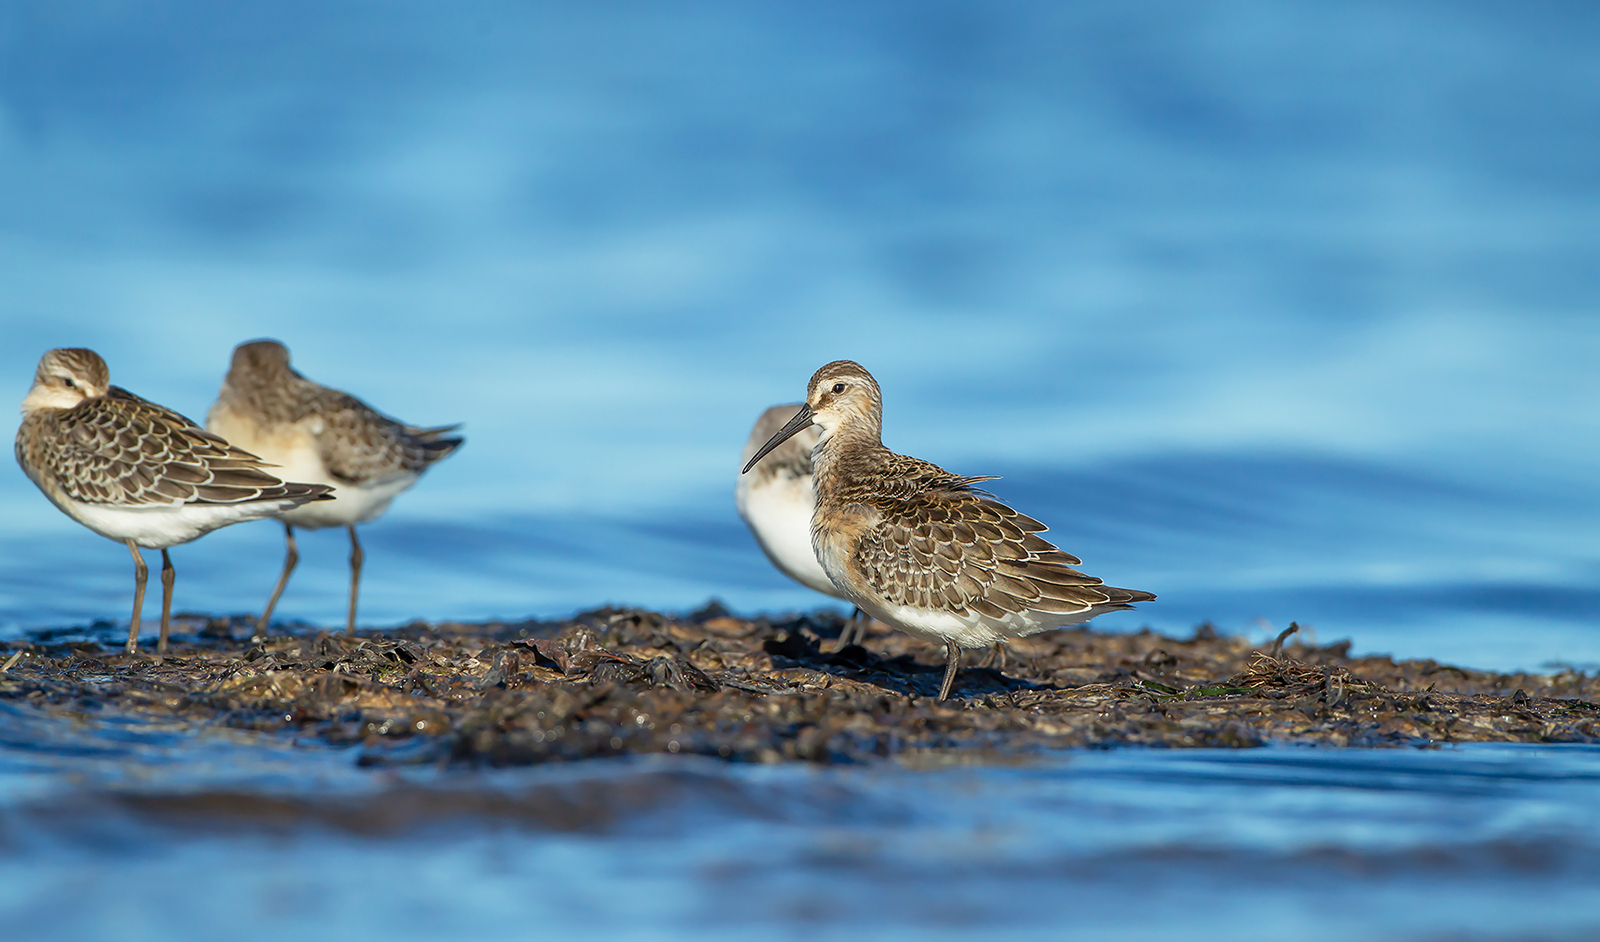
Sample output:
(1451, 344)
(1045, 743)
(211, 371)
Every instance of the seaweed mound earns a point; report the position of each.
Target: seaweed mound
(623, 681)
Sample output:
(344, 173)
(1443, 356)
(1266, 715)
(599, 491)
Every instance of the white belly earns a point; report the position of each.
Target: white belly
(779, 515)
(298, 458)
(351, 504)
(971, 630)
(163, 525)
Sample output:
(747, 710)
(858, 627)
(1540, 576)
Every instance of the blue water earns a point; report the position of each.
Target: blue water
(1276, 843)
(1279, 311)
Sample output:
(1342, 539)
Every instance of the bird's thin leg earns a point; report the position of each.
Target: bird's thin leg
(952, 663)
(855, 630)
(996, 657)
(356, 557)
(290, 560)
(140, 573)
(167, 577)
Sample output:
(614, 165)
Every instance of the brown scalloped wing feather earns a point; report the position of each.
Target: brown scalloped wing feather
(121, 449)
(361, 444)
(940, 543)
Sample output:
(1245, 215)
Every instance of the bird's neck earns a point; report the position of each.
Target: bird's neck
(844, 455)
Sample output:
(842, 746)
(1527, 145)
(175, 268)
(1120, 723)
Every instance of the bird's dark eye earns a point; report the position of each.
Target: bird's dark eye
(838, 387)
(69, 382)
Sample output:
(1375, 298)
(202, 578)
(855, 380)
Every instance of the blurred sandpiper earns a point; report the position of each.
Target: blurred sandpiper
(326, 437)
(921, 549)
(136, 472)
(776, 502)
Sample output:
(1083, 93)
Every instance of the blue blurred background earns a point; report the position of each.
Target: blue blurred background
(1281, 312)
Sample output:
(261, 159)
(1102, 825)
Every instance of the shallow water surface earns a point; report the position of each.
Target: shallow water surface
(144, 834)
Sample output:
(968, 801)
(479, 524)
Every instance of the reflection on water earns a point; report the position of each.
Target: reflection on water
(130, 832)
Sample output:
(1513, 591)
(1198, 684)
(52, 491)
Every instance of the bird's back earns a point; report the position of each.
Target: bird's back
(911, 537)
(321, 433)
(130, 469)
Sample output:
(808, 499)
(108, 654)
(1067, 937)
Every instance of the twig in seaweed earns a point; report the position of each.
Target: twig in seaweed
(1277, 645)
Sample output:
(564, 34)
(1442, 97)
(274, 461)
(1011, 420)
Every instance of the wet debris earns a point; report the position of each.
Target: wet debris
(625, 681)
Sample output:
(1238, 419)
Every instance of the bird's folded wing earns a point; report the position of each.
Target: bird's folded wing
(953, 548)
(121, 449)
(359, 444)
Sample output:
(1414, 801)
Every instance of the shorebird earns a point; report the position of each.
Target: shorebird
(136, 472)
(326, 437)
(921, 549)
(776, 503)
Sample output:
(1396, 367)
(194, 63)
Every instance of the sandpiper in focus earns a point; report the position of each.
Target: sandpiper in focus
(136, 472)
(776, 503)
(921, 549)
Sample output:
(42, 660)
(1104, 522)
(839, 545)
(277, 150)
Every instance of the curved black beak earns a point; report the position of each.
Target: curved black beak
(800, 422)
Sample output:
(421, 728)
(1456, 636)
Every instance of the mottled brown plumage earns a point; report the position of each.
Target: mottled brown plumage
(137, 472)
(938, 542)
(323, 435)
(922, 549)
(117, 448)
(356, 443)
